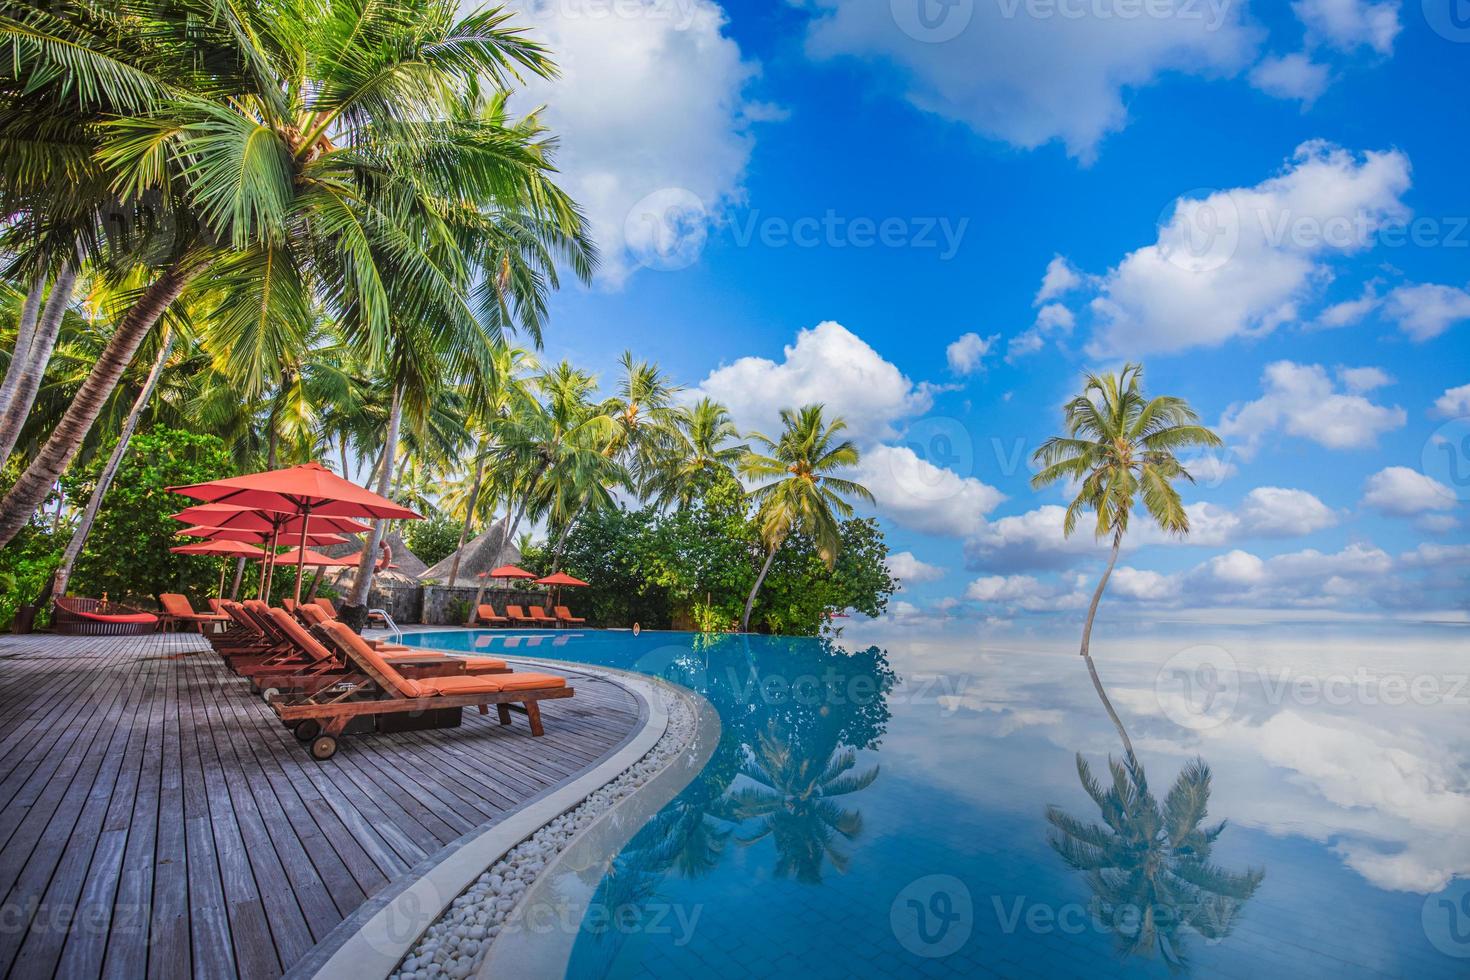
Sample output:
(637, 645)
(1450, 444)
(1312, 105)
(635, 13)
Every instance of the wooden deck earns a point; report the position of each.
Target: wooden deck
(156, 820)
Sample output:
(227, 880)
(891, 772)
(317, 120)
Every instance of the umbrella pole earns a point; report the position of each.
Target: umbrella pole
(270, 571)
(223, 565)
(301, 551)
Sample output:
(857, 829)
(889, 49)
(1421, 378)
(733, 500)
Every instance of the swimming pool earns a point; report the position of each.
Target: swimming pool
(919, 806)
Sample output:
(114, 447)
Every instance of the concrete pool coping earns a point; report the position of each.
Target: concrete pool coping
(375, 938)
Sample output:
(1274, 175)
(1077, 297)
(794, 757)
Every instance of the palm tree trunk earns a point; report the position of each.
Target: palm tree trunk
(109, 472)
(239, 574)
(354, 612)
(1102, 583)
(469, 515)
(54, 457)
(25, 332)
(566, 532)
(43, 342)
(1108, 705)
(759, 581)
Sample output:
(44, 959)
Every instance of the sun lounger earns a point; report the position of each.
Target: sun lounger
(485, 613)
(518, 615)
(78, 616)
(325, 605)
(312, 666)
(381, 690)
(539, 617)
(564, 615)
(176, 609)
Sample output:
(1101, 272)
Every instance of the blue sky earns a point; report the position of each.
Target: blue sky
(1263, 203)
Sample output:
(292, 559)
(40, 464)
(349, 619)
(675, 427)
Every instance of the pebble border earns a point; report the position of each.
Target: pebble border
(456, 944)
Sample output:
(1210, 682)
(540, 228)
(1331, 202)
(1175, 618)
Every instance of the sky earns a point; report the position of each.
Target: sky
(935, 216)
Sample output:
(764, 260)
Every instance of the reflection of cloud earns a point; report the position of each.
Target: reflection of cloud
(1379, 781)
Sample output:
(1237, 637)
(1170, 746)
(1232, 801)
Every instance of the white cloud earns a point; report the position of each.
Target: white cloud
(1052, 320)
(996, 588)
(1292, 76)
(828, 364)
(1453, 403)
(1029, 80)
(1147, 586)
(1349, 312)
(1302, 400)
(1279, 512)
(967, 354)
(668, 73)
(1349, 24)
(911, 571)
(921, 496)
(1239, 262)
(1060, 279)
(1427, 310)
(1210, 469)
(1404, 492)
(1364, 379)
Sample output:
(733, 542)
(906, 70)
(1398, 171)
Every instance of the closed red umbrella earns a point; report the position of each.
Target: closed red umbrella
(306, 491)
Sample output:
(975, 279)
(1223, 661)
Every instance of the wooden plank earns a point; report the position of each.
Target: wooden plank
(194, 836)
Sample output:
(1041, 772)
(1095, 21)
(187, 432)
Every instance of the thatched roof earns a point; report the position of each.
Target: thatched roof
(406, 566)
(480, 554)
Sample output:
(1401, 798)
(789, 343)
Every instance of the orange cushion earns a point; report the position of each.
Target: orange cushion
(484, 663)
(463, 684)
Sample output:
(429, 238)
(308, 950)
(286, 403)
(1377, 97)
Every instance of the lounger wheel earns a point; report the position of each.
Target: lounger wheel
(324, 748)
(269, 693)
(308, 729)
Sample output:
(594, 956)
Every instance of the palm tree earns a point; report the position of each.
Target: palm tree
(1148, 866)
(792, 802)
(349, 165)
(804, 495)
(704, 446)
(1119, 447)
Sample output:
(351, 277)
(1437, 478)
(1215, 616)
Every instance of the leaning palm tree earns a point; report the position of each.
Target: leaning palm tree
(805, 495)
(1148, 866)
(1119, 447)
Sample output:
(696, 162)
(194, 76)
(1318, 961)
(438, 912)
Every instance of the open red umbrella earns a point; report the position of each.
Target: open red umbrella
(220, 549)
(507, 571)
(313, 540)
(226, 517)
(560, 580)
(306, 491)
(298, 557)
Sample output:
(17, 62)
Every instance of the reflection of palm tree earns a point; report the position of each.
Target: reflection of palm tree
(793, 805)
(1149, 866)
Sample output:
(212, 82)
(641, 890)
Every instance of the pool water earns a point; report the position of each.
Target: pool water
(919, 805)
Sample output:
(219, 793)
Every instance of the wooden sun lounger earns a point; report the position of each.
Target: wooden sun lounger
(382, 690)
(485, 613)
(176, 609)
(564, 615)
(539, 617)
(313, 666)
(518, 615)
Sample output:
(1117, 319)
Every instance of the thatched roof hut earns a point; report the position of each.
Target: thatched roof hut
(480, 554)
(406, 567)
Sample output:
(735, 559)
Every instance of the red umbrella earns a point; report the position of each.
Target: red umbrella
(507, 571)
(252, 537)
(560, 579)
(302, 491)
(298, 557)
(223, 549)
(221, 516)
